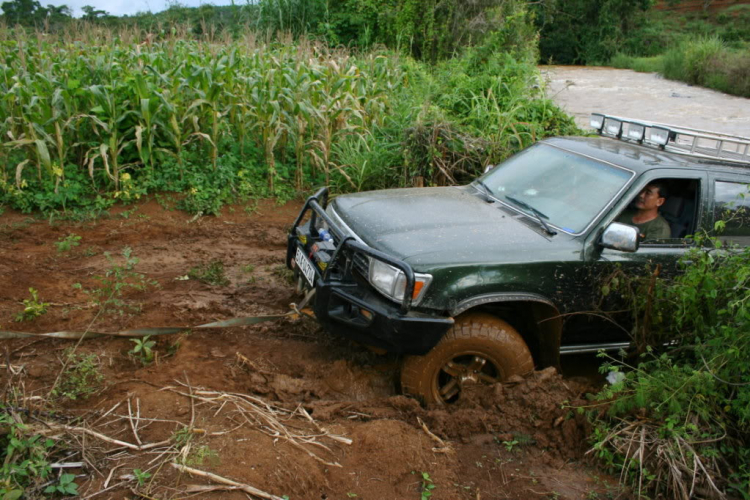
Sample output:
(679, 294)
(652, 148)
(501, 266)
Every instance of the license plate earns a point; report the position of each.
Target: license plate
(305, 266)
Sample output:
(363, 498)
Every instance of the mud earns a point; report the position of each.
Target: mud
(522, 439)
(646, 96)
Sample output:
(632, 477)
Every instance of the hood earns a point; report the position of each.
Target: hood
(444, 226)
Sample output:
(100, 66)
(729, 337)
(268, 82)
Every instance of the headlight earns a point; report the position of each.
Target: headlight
(391, 282)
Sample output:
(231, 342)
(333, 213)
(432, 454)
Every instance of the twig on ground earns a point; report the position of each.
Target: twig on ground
(216, 478)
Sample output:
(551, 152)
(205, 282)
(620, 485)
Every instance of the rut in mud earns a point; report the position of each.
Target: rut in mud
(230, 402)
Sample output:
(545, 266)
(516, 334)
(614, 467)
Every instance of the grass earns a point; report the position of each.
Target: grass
(706, 61)
(211, 273)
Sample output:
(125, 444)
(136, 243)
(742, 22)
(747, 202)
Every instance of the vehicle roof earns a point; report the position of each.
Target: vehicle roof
(641, 158)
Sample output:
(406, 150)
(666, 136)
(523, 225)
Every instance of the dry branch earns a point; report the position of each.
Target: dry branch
(213, 477)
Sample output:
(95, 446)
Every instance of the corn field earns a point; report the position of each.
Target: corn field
(111, 110)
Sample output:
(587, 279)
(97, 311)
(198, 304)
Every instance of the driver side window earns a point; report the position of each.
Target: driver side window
(664, 211)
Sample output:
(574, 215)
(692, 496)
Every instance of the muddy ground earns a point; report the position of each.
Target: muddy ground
(280, 406)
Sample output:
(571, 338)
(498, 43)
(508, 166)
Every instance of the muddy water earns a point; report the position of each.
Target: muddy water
(585, 90)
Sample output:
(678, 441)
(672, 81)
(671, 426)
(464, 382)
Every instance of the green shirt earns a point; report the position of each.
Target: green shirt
(655, 229)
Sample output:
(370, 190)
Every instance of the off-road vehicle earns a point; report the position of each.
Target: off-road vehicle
(480, 282)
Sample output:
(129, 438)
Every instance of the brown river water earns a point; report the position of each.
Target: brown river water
(647, 96)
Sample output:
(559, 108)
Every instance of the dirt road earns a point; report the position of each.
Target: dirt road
(230, 402)
(585, 90)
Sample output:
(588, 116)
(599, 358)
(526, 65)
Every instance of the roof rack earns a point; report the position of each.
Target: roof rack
(700, 143)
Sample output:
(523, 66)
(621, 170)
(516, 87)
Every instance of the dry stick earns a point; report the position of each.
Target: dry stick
(323, 430)
(213, 477)
(110, 411)
(102, 437)
(132, 424)
(444, 447)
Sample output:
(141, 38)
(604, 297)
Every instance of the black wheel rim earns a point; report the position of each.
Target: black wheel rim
(463, 370)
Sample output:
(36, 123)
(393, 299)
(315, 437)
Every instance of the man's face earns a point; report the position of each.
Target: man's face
(649, 198)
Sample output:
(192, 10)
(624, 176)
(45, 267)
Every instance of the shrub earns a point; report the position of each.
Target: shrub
(680, 420)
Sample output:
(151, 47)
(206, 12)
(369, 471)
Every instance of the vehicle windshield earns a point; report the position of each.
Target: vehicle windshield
(566, 189)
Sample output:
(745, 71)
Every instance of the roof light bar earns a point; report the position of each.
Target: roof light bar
(659, 135)
(597, 121)
(613, 127)
(674, 138)
(636, 131)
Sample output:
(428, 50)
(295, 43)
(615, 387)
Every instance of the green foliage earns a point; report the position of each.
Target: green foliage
(427, 486)
(141, 476)
(116, 281)
(81, 378)
(67, 243)
(65, 486)
(585, 32)
(696, 391)
(709, 63)
(32, 308)
(143, 349)
(211, 273)
(24, 457)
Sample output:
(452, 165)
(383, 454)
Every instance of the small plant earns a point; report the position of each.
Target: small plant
(509, 445)
(24, 457)
(115, 282)
(32, 308)
(427, 486)
(201, 455)
(285, 274)
(66, 486)
(211, 273)
(66, 244)
(143, 349)
(247, 269)
(81, 377)
(141, 476)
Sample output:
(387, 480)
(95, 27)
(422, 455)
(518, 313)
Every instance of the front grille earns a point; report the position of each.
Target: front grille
(361, 264)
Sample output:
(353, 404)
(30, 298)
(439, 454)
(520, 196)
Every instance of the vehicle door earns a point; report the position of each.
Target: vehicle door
(608, 317)
(730, 206)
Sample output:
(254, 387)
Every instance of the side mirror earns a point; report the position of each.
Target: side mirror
(620, 237)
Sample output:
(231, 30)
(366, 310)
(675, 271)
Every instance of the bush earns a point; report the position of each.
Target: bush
(679, 422)
(708, 62)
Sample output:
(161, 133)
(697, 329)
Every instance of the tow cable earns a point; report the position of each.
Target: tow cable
(296, 312)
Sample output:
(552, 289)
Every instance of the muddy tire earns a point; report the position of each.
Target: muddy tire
(480, 348)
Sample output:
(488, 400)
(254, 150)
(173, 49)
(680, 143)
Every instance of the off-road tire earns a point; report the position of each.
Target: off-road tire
(474, 337)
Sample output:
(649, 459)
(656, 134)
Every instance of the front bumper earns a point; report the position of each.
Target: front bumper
(345, 304)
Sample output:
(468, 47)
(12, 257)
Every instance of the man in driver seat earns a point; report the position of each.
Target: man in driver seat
(645, 216)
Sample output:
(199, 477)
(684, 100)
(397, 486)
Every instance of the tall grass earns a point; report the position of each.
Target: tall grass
(110, 115)
(706, 61)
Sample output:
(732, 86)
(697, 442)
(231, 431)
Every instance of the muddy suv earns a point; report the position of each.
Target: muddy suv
(480, 282)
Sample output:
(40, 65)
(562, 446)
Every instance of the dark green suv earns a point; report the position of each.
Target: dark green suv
(480, 282)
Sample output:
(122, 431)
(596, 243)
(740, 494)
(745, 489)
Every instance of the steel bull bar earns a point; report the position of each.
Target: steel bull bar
(349, 306)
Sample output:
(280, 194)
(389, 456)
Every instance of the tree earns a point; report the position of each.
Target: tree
(26, 12)
(92, 14)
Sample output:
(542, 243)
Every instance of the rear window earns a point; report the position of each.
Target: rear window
(732, 205)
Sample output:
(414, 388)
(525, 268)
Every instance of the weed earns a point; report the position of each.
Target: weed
(211, 273)
(65, 486)
(81, 377)
(24, 457)
(202, 455)
(247, 269)
(89, 252)
(141, 476)
(32, 308)
(425, 489)
(509, 445)
(66, 244)
(351, 495)
(143, 349)
(117, 279)
(281, 271)
(182, 436)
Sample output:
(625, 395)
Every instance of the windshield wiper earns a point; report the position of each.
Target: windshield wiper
(487, 192)
(539, 215)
